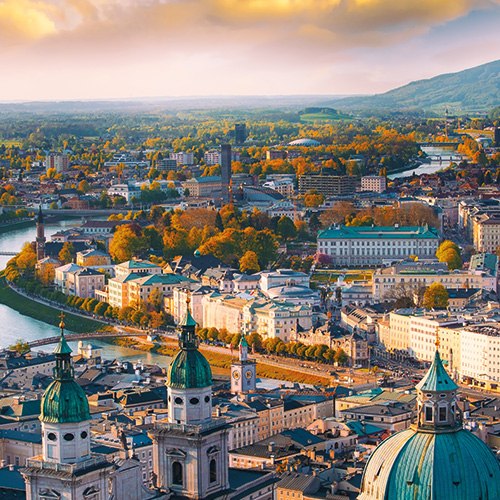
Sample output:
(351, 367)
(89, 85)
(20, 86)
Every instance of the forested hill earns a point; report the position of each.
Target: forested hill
(473, 89)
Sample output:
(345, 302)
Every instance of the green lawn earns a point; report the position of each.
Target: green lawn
(45, 313)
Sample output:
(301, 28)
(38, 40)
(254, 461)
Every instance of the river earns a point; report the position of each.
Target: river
(447, 155)
(17, 326)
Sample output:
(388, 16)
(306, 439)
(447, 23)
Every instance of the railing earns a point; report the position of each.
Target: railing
(73, 337)
(39, 463)
(195, 428)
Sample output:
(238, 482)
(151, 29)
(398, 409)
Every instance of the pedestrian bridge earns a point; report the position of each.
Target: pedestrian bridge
(74, 337)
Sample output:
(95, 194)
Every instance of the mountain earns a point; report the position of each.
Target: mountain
(474, 89)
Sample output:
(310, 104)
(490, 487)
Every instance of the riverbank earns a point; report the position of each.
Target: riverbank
(221, 363)
(43, 312)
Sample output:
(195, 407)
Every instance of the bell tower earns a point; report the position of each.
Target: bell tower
(190, 452)
(40, 235)
(243, 371)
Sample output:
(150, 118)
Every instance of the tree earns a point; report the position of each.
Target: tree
(127, 242)
(21, 347)
(249, 263)
(67, 253)
(341, 357)
(26, 260)
(286, 228)
(449, 252)
(435, 297)
(313, 199)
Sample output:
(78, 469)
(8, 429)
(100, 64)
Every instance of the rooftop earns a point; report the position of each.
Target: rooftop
(379, 232)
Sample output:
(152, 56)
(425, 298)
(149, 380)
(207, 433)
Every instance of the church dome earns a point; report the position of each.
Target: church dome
(426, 465)
(436, 458)
(188, 370)
(63, 402)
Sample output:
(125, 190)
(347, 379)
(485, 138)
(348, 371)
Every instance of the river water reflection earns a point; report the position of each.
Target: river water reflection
(16, 326)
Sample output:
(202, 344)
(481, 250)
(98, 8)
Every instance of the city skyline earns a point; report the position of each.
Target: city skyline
(99, 49)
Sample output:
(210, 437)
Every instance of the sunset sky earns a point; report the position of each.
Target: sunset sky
(91, 49)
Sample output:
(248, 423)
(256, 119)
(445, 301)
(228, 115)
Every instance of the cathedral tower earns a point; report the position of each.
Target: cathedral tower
(190, 451)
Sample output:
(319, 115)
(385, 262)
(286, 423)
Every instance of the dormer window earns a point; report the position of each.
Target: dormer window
(443, 414)
(428, 414)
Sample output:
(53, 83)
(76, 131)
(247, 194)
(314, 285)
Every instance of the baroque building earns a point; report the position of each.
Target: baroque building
(67, 470)
(243, 371)
(436, 457)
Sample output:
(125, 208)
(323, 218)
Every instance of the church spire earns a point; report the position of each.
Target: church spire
(436, 397)
(63, 369)
(187, 329)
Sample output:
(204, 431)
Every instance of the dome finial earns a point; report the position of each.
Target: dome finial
(437, 343)
(62, 325)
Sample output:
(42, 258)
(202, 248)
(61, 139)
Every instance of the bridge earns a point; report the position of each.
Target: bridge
(8, 253)
(74, 337)
(450, 157)
(438, 144)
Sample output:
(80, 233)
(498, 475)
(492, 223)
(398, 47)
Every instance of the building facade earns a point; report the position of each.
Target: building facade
(364, 246)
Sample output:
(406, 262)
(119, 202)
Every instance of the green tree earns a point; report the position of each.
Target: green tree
(435, 297)
(286, 228)
(341, 357)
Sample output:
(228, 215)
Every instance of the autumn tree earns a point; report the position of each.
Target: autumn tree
(26, 259)
(67, 253)
(249, 263)
(127, 242)
(341, 357)
(435, 297)
(449, 252)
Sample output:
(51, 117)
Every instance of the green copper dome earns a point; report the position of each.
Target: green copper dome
(436, 458)
(412, 465)
(64, 401)
(437, 378)
(188, 370)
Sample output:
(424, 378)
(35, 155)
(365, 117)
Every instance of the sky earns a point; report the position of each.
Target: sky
(99, 49)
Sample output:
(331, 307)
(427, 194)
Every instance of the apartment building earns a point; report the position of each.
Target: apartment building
(328, 185)
(200, 187)
(364, 246)
(183, 158)
(486, 232)
(269, 318)
(72, 279)
(482, 274)
(140, 290)
(374, 183)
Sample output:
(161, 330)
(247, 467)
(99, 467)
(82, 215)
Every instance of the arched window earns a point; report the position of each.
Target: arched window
(213, 470)
(177, 474)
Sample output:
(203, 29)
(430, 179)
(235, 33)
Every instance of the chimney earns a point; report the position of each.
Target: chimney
(11, 467)
(270, 447)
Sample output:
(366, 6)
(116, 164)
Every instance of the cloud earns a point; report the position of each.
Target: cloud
(139, 47)
(22, 20)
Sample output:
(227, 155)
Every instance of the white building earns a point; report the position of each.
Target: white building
(183, 158)
(414, 275)
(127, 191)
(374, 183)
(364, 246)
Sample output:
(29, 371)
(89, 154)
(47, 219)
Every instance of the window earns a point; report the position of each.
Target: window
(442, 414)
(69, 437)
(51, 436)
(194, 401)
(213, 470)
(178, 401)
(177, 474)
(83, 435)
(428, 413)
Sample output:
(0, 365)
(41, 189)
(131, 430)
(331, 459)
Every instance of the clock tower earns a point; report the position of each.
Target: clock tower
(243, 371)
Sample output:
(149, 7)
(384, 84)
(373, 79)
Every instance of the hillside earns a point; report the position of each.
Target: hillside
(473, 89)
